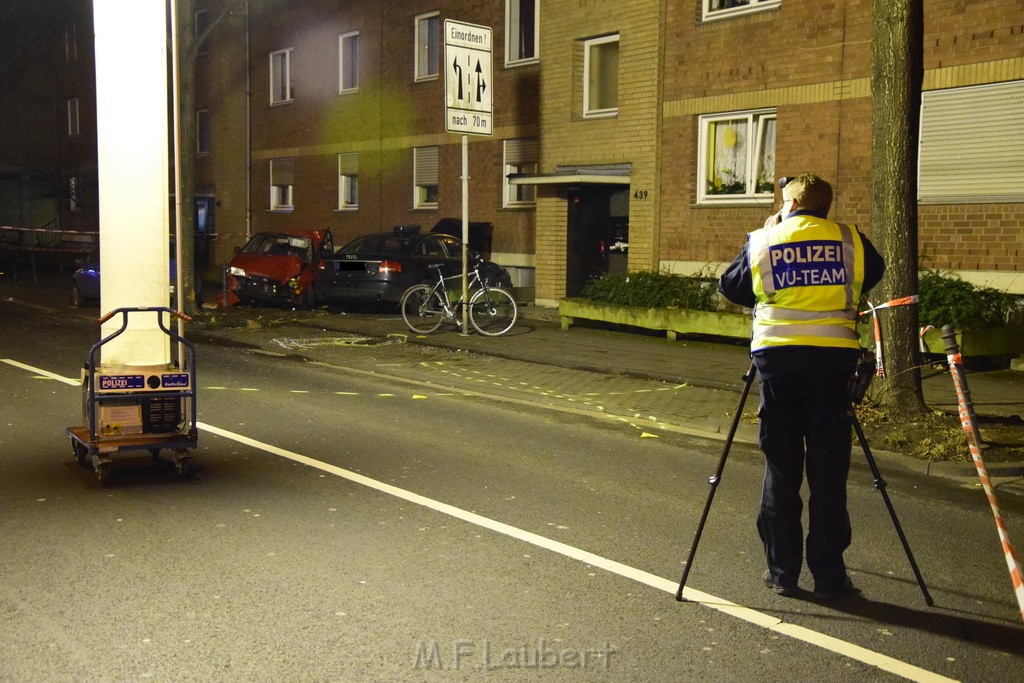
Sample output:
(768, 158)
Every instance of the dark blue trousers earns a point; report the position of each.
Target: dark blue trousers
(805, 424)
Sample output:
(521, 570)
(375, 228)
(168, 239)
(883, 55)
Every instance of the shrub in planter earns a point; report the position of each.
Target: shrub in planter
(945, 299)
(655, 290)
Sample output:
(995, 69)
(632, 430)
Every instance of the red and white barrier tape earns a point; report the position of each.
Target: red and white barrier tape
(62, 232)
(970, 426)
(873, 310)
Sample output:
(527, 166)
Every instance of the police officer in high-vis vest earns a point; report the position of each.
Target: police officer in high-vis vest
(803, 275)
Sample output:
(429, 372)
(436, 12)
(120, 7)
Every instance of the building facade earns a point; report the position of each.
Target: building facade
(627, 134)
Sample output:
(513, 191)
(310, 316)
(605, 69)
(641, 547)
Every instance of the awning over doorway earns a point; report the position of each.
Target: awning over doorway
(608, 174)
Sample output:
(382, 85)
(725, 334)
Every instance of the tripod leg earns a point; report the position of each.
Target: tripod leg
(715, 479)
(880, 485)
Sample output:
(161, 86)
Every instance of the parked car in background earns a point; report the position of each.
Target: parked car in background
(280, 268)
(85, 281)
(378, 268)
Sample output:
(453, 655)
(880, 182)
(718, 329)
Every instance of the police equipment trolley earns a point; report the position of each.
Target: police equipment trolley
(130, 408)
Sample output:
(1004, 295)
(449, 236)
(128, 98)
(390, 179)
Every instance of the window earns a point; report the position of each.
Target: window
(73, 194)
(721, 9)
(70, 43)
(971, 149)
(203, 132)
(282, 178)
(424, 177)
(348, 61)
(281, 76)
(521, 36)
(202, 23)
(428, 45)
(601, 76)
(348, 181)
(520, 157)
(737, 156)
(73, 128)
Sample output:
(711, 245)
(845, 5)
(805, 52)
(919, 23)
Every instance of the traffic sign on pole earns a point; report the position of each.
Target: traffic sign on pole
(468, 92)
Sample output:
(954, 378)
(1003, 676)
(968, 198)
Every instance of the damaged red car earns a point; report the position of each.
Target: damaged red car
(279, 268)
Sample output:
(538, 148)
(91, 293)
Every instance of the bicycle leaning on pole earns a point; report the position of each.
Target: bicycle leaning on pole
(492, 311)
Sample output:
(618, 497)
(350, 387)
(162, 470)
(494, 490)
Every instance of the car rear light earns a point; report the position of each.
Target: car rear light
(390, 267)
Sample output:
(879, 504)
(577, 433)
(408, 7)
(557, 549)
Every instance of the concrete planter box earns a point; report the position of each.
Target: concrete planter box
(1002, 341)
(673, 321)
(997, 341)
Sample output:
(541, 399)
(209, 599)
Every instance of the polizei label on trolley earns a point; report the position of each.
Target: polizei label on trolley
(807, 264)
(121, 382)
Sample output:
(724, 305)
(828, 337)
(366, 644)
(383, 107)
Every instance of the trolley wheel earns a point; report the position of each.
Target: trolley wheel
(183, 466)
(103, 472)
(80, 451)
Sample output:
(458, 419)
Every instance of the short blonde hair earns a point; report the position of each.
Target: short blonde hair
(811, 192)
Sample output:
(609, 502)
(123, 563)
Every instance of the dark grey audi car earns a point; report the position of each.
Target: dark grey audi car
(378, 268)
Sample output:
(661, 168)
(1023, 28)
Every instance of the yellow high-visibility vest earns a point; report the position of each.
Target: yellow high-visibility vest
(807, 273)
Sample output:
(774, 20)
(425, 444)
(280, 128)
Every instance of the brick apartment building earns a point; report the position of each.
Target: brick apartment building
(653, 124)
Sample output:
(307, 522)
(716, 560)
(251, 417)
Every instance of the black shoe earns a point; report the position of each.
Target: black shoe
(845, 590)
(778, 589)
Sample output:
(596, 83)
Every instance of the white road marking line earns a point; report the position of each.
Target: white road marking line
(44, 373)
(842, 647)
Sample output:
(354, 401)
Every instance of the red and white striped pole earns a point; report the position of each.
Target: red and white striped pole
(970, 425)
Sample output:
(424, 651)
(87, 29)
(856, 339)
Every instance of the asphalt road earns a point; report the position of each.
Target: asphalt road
(341, 524)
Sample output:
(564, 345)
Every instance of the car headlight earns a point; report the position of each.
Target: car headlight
(236, 271)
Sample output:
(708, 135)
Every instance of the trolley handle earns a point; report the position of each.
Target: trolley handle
(176, 314)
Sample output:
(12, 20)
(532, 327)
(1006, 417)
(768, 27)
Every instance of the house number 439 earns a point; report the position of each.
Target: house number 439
(640, 194)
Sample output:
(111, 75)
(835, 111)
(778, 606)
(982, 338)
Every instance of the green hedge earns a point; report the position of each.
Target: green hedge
(945, 299)
(655, 290)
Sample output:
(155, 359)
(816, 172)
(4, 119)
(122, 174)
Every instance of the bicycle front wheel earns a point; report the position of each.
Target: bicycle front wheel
(422, 309)
(492, 311)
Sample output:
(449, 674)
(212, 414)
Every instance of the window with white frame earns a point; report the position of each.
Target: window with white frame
(971, 150)
(520, 156)
(721, 9)
(348, 62)
(601, 76)
(522, 39)
(348, 181)
(70, 42)
(736, 156)
(282, 180)
(73, 127)
(281, 76)
(203, 132)
(428, 45)
(424, 177)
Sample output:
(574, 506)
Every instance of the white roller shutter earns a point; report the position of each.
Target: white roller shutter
(972, 148)
(425, 166)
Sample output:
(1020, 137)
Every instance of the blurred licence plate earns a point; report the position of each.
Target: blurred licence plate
(351, 265)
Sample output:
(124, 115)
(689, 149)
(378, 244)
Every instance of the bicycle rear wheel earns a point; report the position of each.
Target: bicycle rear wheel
(422, 309)
(492, 311)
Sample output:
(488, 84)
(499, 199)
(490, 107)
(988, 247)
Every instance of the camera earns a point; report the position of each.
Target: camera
(862, 376)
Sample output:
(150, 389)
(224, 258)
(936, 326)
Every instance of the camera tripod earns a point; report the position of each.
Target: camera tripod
(716, 479)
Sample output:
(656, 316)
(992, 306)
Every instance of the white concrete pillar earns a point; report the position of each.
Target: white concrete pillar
(133, 144)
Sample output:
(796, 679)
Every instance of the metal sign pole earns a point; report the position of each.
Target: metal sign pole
(465, 234)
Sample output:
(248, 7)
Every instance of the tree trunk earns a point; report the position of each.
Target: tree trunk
(895, 104)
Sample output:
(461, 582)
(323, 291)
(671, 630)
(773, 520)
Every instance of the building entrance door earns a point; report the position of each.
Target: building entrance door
(594, 225)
